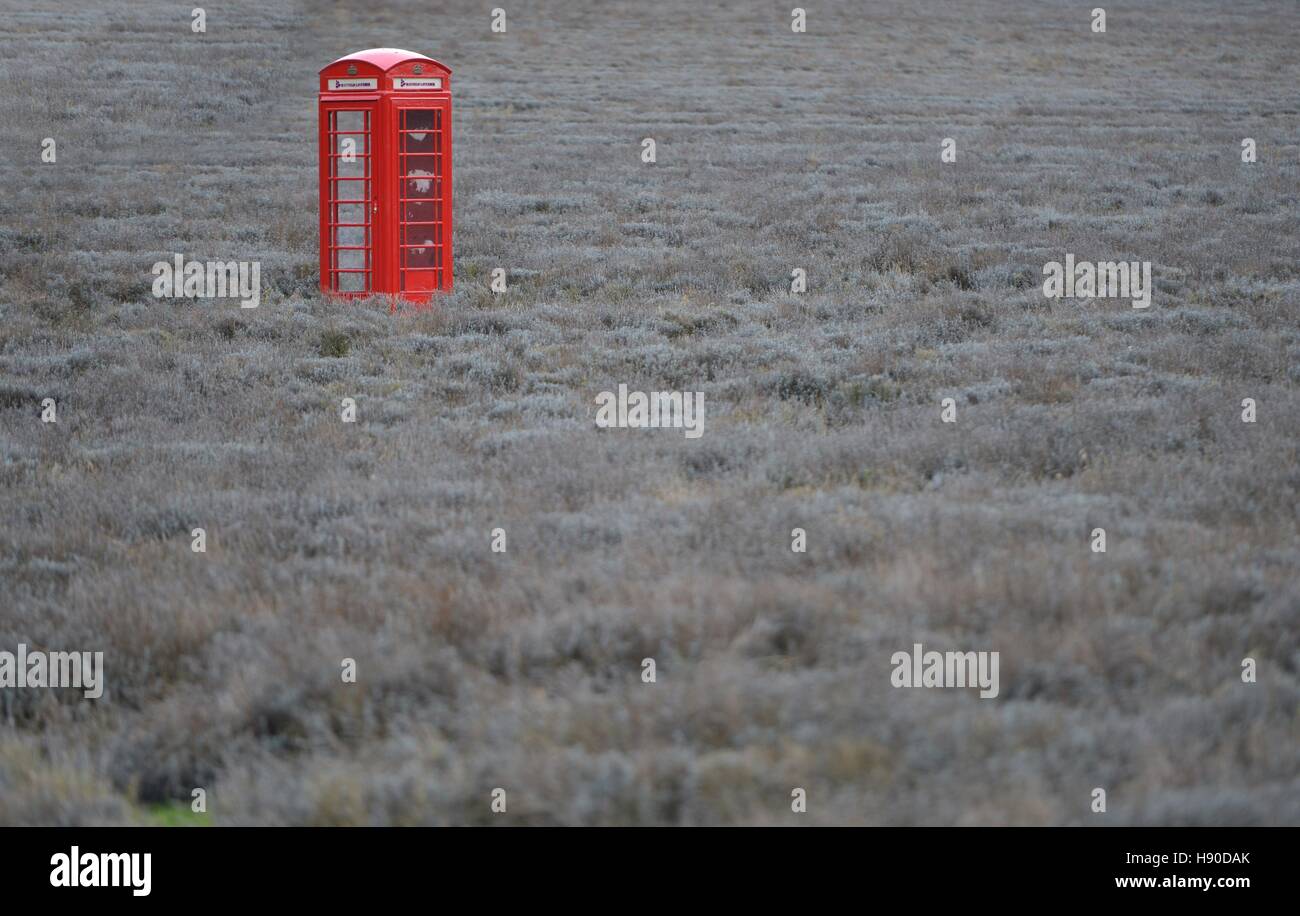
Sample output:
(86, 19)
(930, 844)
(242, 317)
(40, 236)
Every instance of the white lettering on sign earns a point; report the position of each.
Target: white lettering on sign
(353, 84)
(406, 82)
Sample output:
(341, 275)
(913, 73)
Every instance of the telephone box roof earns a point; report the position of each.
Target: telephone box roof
(386, 59)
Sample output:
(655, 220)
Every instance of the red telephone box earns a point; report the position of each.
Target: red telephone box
(385, 175)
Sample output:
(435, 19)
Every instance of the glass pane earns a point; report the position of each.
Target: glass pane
(353, 169)
(420, 211)
(419, 143)
(352, 283)
(350, 120)
(420, 187)
(420, 165)
(351, 144)
(350, 258)
(417, 119)
(421, 235)
(421, 257)
(351, 213)
(350, 235)
(349, 190)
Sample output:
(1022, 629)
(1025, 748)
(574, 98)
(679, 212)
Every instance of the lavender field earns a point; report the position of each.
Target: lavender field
(523, 669)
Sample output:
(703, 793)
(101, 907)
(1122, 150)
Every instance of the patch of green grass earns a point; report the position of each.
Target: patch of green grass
(175, 814)
(334, 343)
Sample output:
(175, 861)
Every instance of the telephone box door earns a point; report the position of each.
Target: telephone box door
(421, 223)
(350, 226)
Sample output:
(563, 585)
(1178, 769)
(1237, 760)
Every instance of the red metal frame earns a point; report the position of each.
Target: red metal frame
(349, 223)
(420, 184)
(395, 235)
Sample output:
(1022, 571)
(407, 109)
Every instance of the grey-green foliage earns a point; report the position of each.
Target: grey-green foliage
(775, 151)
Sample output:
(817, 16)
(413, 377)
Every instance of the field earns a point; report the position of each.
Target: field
(522, 669)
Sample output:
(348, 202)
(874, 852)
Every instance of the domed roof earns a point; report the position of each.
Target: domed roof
(385, 59)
